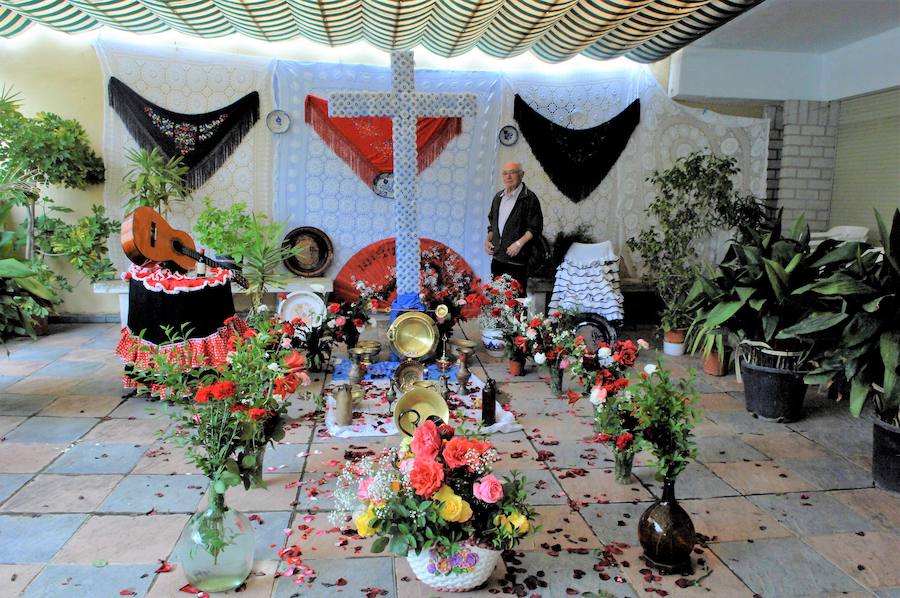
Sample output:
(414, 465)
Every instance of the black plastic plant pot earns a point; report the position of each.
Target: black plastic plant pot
(886, 456)
(773, 393)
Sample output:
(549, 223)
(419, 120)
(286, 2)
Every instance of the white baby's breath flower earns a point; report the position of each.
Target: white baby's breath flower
(650, 368)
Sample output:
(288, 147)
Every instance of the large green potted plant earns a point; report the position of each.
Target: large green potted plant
(858, 342)
(696, 196)
(153, 181)
(762, 295)
(225, 230)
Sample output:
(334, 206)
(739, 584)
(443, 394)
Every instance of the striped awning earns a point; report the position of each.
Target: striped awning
(554, 30)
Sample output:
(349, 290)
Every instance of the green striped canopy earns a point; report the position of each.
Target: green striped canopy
(554, 30)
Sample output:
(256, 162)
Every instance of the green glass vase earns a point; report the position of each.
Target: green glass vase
(220, 556)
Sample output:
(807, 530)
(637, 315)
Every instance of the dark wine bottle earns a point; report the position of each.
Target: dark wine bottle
(489, 402)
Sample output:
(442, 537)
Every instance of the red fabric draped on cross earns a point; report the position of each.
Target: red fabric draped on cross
(366, 143)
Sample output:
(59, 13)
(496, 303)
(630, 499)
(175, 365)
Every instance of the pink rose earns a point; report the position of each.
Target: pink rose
(426, 442)
(564, 363)
(340, 321)
(488, 489)
(363, 491)
(406, 466)
(643, 344)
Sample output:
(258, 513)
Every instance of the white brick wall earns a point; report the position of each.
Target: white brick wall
(805, 171)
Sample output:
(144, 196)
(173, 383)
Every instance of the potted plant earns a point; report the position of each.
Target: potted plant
(225, 417)
(604, 377)
(696, 197)
(435, 501)
(763, 289)
(665, 418)
(224, 230)
(857, 342)
(494, 299)
(153, 181)
(262, 253)
(83, 244)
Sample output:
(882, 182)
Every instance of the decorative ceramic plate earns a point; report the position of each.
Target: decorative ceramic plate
(307, 306)
(314, 251)
(509, 135)
(383, 185)
(278, 121)
(413, 335)
(595, 329)
(407, 373)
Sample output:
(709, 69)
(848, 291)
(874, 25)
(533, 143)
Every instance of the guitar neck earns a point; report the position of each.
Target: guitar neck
(197, 256)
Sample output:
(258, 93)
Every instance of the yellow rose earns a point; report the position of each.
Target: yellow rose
(364, 523)
(502, 522)
(519, 522)
(453, 508)
(444, 493)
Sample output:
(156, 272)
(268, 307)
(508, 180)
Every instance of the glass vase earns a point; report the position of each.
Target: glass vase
(624, 460)
(220, 556)
(666, 533)
(556, 379)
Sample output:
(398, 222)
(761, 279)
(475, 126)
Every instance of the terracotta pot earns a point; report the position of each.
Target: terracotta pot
(516, 368)
(673, 341)
(714, 367)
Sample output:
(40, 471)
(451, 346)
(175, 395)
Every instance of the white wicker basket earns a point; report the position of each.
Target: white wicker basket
(460, 572)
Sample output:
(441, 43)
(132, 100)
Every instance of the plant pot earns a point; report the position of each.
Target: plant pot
(666, 533)
(773, 393)
(624, 460)
(516, 367)
(673, 341)
(220, 556)
(886, 455)
(556, 379)
(713, 366)
(457, 572)
(493, 341)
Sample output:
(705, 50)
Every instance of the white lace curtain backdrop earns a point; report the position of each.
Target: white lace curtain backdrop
(309, 185)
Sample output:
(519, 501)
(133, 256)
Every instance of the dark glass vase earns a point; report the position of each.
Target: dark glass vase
(666, 533)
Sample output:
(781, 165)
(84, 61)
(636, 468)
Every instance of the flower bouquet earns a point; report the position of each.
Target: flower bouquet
(353, 316)
(497, 302)
(435, 501)
(317, 339)
(604, 375)
(665, 419)
(225, 417)
(551, 342)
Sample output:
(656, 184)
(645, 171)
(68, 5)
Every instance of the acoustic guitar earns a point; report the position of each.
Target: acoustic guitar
(147, 236)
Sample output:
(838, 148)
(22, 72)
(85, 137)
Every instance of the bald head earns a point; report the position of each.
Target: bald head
(512, 174)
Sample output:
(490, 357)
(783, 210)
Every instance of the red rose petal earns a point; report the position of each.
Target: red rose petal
(164, 567)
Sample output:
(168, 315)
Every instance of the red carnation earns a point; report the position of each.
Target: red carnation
(624, 441)
(358, 322)
(294, 361)
(257, 413)
(333, 308)
(535, 322)
(223, 390)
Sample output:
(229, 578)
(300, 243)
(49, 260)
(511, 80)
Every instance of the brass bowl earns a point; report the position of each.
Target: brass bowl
(369, 344)
(423, 384)
(356, 353)
(416, 406)
(408, 373)
(460, 345)
(413, 335)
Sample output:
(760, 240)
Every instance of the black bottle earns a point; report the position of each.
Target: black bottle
(489, 402)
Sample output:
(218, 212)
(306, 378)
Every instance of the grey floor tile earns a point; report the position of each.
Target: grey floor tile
(98, 458)
(84, 580)
(854, 441)
(615, 522)
(111, 385)
(52, 429)
(888, 593)
(783, 567)
(373, 573)
(543, 489)
(284, 458)
(35, 539)
(573, 454)
(696, 481)
(16, 404)
(314, 494)
(160, 493)
(725, 449)
(68, 369)
(140, 408)
(6, 381)
(11, 482)
(831, 473)
(566, 574)
(811, 513)
(745, 422)
(32, 352)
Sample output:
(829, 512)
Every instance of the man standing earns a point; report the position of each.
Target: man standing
(514, 220)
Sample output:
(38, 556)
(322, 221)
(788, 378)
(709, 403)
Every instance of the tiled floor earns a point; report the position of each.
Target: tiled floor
(90, 500)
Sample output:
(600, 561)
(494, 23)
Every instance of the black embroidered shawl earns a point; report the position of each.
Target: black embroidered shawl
(576, 160)
(204, 141)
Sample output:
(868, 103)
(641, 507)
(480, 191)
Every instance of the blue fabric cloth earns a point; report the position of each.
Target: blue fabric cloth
(384, 370)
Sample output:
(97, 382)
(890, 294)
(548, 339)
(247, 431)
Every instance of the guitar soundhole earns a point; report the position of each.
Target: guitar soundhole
(177, 246)
(152, 234)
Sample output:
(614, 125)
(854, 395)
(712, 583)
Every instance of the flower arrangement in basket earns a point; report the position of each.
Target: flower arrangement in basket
(225, 416)
(604, 375)
(551, 342)
(435, 501)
